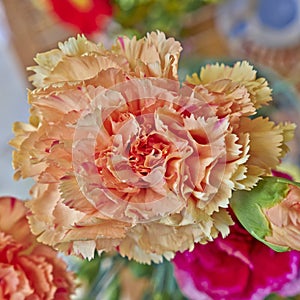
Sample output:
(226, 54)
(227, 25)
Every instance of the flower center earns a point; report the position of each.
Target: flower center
(148, 152)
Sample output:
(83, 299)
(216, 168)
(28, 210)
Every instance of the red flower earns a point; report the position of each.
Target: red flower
(87, 16)
(236, 268)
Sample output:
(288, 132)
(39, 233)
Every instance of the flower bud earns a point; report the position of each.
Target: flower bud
(270, 212)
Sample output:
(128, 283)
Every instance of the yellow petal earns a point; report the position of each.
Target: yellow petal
(242, 73)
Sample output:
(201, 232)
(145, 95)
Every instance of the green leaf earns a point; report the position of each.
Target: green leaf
(248, 207)
(277, 297)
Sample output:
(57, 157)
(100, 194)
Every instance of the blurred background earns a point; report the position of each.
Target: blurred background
(265, 32)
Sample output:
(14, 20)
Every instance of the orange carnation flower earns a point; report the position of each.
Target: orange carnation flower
(124, 158)
(28, 270)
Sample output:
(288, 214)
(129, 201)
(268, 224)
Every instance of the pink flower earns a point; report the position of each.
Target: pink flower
(28, 270)
(236, 268)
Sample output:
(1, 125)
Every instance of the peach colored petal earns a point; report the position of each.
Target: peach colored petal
(22, 132)
(46, 197)
(240, 172)
(48, 61)
(288, 236)
(57, 105)
(79, 46)
(236, 92)
(242, 73)
(153, 56)
(262, 156)
(69, 224)
(284, 220)
(27, 160)
(72, 196)
(288, 131)
(141, 244)
(227, 98)
(74, 69)
(79, 60)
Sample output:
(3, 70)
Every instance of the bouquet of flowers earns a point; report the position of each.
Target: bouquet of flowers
(130, 161)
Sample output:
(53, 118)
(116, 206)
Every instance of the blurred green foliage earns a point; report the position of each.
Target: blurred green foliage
(142, 16)
(102, 278)
(277, 297)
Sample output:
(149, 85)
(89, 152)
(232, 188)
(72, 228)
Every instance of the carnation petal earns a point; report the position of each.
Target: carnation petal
(85, 248)
(78, 46)
(262, 156)
(241, 72)
(153, 56)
